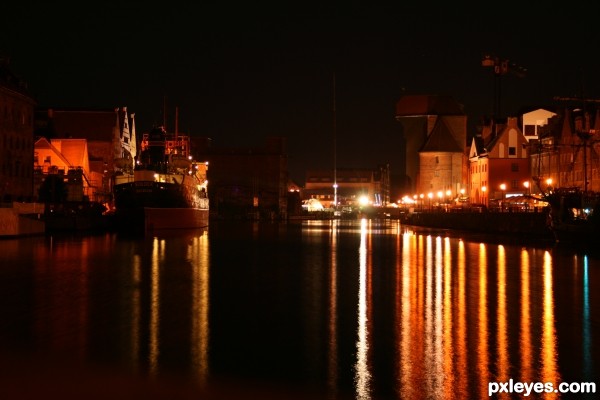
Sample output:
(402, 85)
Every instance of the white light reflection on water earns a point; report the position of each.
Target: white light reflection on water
(433, 318)
(403, 323)
(362, 374)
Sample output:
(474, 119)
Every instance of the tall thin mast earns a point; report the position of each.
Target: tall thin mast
(335, 185)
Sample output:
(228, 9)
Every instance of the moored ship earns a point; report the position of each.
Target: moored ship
(167, 189)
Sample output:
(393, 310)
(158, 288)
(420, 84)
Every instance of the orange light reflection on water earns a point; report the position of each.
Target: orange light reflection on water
(525, 336)
(482, 337)
(549, 351)
(503, 361)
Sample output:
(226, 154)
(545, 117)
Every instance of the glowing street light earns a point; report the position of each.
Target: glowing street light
(503, 188)
(527, 186)
(483, 191)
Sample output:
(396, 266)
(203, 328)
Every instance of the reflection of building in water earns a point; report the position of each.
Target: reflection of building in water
(549, 356)
(332, 365)
(443, 287)
(525, 336)
(151, 291)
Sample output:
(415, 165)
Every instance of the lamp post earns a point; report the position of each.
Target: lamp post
(335, 188)
(503, 189)
(430, 195)
(484, 197)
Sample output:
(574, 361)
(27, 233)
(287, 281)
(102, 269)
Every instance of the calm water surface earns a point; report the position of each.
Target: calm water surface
(314, 309)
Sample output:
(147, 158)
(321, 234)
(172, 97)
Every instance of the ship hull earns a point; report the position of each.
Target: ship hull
(149, 206)
(174, 218)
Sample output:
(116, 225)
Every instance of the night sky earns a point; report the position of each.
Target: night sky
(240, 72)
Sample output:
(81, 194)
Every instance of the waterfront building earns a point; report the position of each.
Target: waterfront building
(105, 132)
(498, 163)
(247, 182)
(353, 184)
(566, 153)
(533, 121)
(16, 137)
(435, 131)
(68, 160)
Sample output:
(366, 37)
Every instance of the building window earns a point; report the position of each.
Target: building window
(514, 167)
(529, 130)
(512, 151)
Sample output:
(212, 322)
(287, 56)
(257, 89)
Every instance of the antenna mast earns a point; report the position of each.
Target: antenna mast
(335, 185)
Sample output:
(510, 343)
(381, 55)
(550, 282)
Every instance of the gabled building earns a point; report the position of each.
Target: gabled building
(67, 158)
(110, 139)
(478, 172)
(533, 121)
(567, 152)
(498, 163)
(435, 132)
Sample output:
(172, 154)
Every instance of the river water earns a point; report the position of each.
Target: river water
(313, 309)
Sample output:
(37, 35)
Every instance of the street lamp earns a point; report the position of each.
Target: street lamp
(335, 188)
(503, 188)
(528, 187)
(430, 195)
(484, 198)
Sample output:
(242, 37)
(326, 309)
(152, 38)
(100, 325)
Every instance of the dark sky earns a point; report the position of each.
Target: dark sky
(238, 73)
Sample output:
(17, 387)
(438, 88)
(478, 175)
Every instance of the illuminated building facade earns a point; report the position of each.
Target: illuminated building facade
(16, 138)
(498, 163)
(353, 183)
(435, 132)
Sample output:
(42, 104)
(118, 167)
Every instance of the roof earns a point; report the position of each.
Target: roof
(477, 146)
(441, 140)
(94, 125)
(11, 81)
(418, 105)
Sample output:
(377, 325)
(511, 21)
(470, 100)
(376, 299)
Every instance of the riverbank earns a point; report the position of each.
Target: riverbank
(521, 223)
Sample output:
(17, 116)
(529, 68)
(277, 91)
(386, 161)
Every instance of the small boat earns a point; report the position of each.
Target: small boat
(167, 189)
